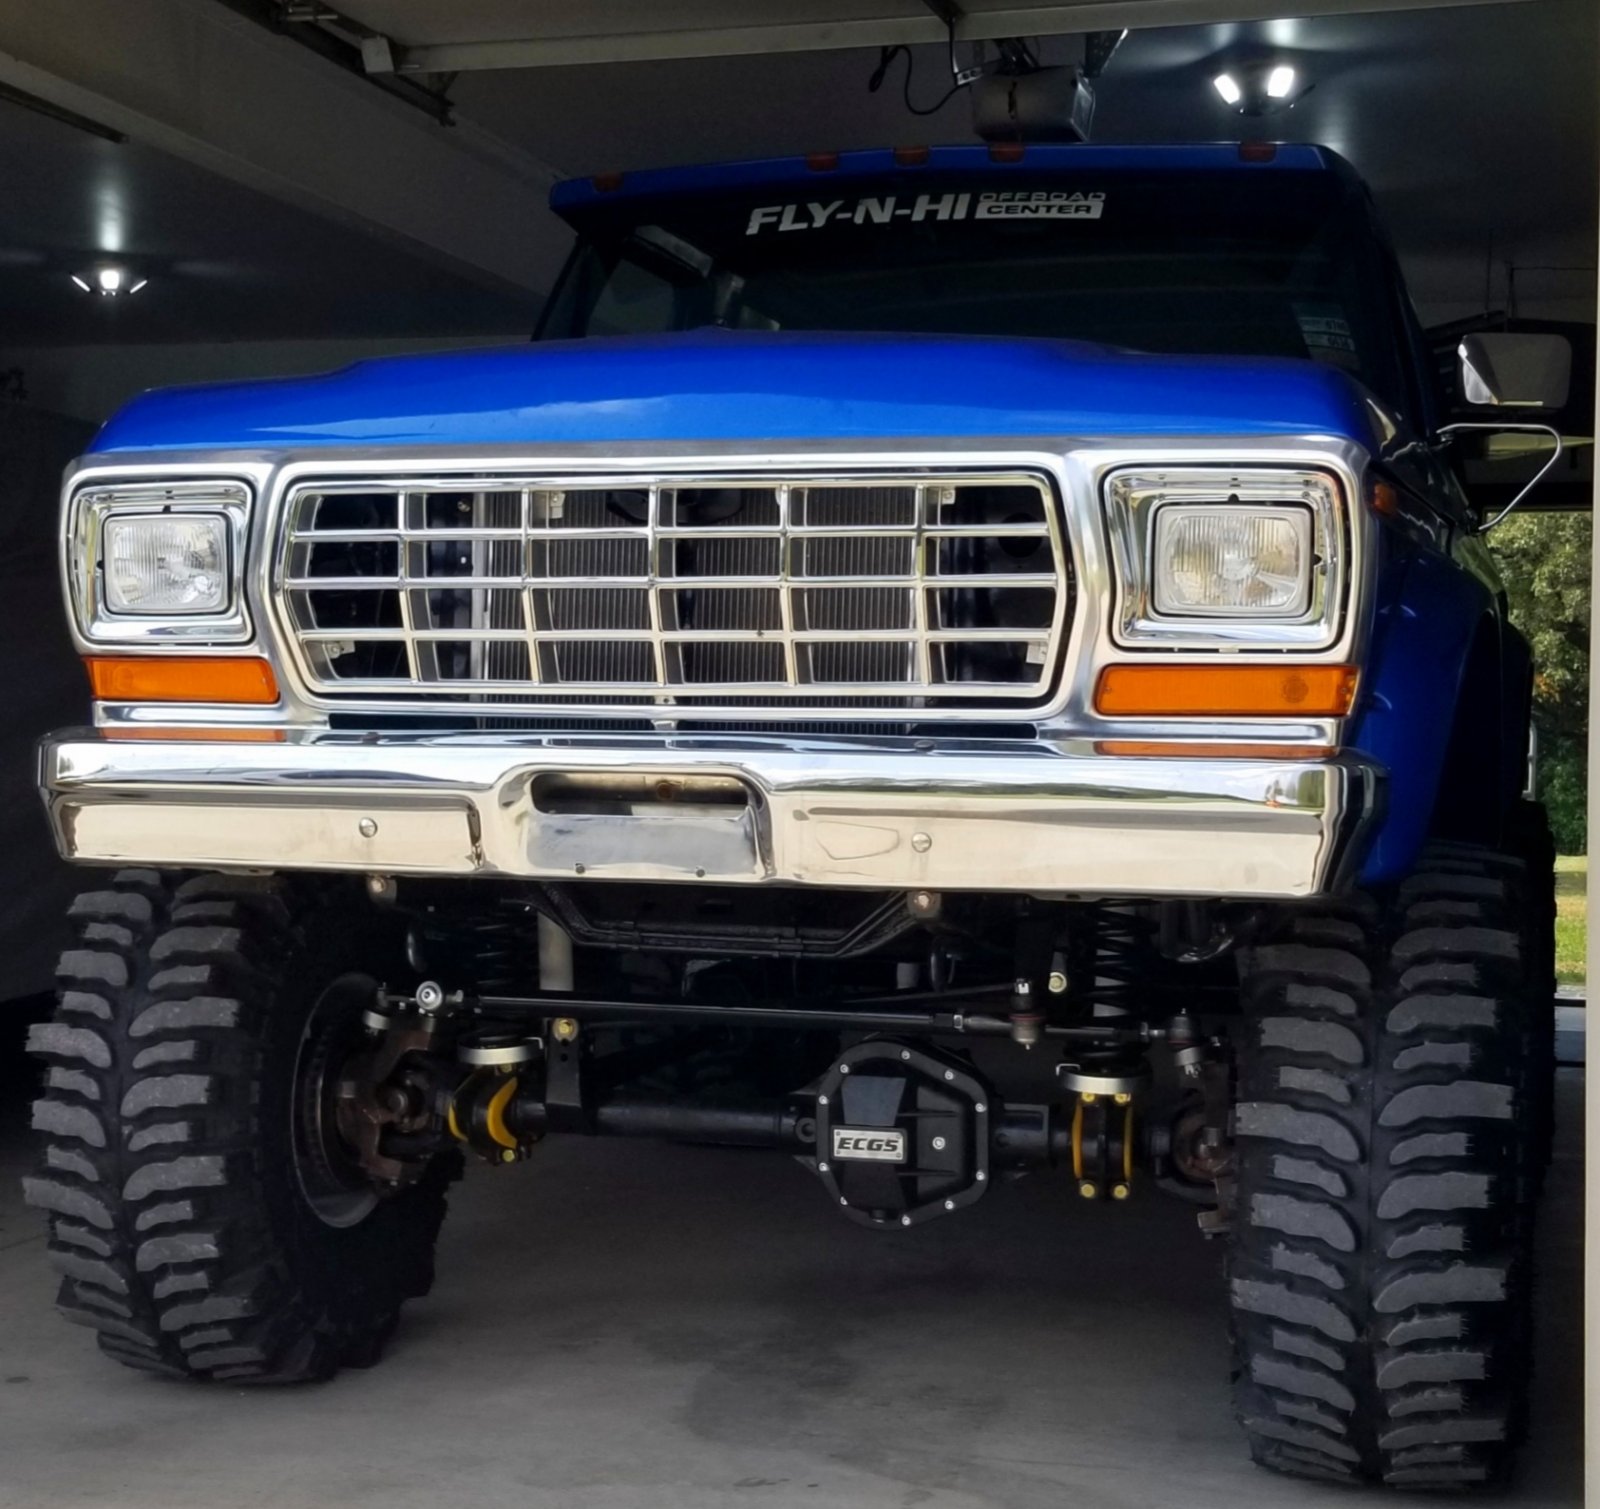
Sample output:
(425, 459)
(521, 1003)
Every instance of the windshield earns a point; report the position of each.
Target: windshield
(1220, 263)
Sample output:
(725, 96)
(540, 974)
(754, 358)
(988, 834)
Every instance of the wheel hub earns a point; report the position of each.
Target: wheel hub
(350, 1091)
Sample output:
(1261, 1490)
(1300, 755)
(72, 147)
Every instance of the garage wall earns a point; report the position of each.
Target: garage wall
(90, 382)
(70, 390)
(1558, 287)
(41, 687)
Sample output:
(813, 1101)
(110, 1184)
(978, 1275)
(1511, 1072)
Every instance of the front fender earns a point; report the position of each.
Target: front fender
(1428, 613)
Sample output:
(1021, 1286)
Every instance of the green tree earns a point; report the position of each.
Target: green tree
(1545, 559)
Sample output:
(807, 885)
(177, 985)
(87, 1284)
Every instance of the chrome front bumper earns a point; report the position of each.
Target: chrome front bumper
(1046, 818)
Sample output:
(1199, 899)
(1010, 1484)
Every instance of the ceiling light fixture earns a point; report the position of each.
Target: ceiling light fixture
(109, 281)
(1260, 87)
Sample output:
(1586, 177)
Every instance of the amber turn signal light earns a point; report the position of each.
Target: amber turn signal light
(181, 678)
(1233, 691)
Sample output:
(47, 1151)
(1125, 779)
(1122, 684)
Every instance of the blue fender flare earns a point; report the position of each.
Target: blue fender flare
(1429, 617)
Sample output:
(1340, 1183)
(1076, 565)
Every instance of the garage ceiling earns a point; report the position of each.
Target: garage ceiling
(450, 35)
(1476, 127)
(287, 198)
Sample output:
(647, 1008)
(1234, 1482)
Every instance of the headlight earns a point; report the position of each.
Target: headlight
(167, 563)
(1230, 562)
(1208, 557)
(153, 563)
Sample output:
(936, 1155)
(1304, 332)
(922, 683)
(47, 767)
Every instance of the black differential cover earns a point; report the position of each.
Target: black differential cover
(902, 1134)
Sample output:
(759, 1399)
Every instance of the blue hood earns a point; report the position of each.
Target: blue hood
(716, 385)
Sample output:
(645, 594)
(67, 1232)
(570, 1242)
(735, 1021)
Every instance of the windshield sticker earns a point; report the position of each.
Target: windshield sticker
(888, 209)
(1327, 335)
(1041, 204)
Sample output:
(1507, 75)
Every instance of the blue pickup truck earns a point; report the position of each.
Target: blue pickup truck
(940, 663)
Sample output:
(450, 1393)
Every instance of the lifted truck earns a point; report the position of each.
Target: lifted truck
(938, 663)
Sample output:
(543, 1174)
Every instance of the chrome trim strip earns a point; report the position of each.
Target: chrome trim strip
(967, 815)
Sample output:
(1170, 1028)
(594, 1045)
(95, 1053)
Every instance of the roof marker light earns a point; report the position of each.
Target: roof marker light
(822, 162)
(910, 157)
(1280, 81)
(1227, 86)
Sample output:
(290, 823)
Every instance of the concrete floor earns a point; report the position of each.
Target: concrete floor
(625, 1326)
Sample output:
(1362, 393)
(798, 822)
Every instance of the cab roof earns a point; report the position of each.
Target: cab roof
(574, 195)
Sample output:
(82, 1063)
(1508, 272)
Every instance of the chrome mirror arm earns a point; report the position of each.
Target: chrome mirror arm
(1449, 431)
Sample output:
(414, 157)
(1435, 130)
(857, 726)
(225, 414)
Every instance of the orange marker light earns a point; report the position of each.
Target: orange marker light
(173, 678)
(1236, 691)
(1385, 499)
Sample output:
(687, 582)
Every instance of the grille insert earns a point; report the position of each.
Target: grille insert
(900, 592)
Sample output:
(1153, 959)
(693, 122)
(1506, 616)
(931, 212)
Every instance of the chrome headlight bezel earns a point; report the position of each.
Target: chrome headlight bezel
(89, 509)
(1133, 500)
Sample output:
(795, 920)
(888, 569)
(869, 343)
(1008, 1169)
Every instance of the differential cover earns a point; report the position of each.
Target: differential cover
(902, 1134)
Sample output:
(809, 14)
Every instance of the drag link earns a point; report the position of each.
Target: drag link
(796, 1014)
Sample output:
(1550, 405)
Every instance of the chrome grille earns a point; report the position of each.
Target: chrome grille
(924, 591)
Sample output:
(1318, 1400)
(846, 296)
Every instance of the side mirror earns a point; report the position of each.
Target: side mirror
(1515, 370)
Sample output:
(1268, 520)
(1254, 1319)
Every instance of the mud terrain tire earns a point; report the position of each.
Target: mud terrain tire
(172, 1165)
(1392, 1083)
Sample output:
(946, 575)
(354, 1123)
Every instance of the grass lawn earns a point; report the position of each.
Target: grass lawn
(1572, 917)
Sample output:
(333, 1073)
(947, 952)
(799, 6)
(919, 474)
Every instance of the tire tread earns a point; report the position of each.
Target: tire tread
(1378, 1275)
(154, 1156)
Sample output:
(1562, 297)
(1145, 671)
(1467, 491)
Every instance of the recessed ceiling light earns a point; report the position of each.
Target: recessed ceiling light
(1228, 88)
(1280, 81)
